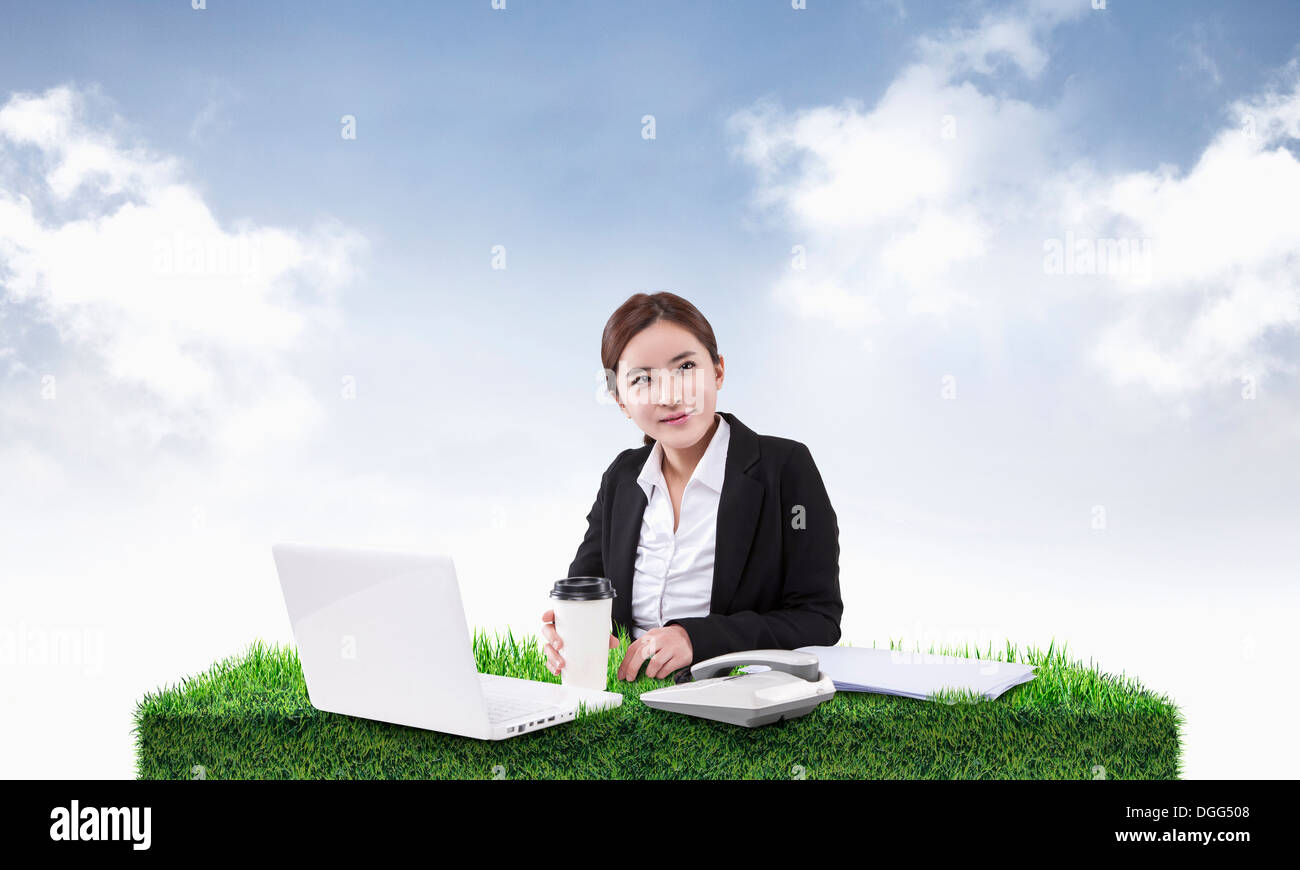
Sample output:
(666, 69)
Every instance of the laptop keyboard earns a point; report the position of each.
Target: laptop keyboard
(502, 707)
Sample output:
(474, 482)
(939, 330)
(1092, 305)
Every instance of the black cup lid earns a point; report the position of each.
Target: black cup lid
(583, 589)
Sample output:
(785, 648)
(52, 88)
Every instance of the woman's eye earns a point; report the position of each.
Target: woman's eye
(636, 380)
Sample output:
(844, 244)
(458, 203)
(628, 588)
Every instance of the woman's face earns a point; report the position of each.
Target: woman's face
(665, 372)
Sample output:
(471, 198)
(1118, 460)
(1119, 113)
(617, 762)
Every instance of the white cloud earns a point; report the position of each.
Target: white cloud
(1227, 257)
(939, 196)
(212, 116)
(1200, 65)
(186, 321)
(74, 153)
(1011, 34)
(890, 201)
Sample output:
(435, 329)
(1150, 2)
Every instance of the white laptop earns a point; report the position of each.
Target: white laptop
(382, 635)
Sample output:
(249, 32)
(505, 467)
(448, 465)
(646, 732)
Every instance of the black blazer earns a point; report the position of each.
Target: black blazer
(776, 571)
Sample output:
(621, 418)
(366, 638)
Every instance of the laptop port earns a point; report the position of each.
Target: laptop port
(552, 719)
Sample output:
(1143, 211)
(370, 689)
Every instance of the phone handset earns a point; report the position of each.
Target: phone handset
(790, 688)
(801, 664)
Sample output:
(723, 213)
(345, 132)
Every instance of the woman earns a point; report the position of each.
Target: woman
(717, 539)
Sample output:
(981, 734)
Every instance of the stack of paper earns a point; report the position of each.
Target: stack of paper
(915, 674)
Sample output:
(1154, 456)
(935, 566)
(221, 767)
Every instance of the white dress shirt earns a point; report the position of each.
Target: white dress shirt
(673, 575)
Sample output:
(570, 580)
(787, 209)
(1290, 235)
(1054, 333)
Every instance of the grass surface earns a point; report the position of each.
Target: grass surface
(248, 717)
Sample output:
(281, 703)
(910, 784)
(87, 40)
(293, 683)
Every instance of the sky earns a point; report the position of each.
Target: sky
(1022, 275)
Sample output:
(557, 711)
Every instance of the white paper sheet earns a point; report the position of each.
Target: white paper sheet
(915, 674)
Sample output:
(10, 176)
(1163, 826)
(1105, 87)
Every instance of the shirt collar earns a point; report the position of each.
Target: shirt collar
(710, 470)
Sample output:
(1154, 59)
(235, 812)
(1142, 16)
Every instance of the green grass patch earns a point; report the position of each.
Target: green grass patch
(248, 717)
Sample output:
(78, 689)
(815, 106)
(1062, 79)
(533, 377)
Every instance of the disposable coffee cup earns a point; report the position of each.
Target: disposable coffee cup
(583, 609)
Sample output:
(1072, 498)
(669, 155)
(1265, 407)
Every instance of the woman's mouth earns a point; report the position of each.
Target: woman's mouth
(675, 421)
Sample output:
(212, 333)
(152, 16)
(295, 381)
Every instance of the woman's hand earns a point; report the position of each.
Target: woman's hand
(554, 661)
(664, 650)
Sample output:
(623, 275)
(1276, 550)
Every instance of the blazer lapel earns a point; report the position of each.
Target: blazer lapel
(738, 512)
(629, 509)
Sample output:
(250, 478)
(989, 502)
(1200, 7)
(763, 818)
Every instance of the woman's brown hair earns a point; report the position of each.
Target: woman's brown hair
(642, 311)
